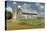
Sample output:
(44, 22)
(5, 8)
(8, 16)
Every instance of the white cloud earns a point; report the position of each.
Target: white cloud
(14, 2)
(37, 4)
(26, 5)
(19, 6)
(9, 9)
(41, 6)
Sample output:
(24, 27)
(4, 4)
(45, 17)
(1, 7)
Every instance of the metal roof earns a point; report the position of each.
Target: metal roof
(28, 11)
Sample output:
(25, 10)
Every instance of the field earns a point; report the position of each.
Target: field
(22, 23)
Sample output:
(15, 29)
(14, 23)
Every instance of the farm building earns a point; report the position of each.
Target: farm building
(22, 12)
(27, 12)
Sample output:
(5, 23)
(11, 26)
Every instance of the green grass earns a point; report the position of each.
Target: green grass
(22, 23)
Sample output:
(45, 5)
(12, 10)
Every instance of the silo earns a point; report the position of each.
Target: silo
(14, 8)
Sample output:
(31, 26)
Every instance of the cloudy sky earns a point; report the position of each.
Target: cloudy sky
(35, 6)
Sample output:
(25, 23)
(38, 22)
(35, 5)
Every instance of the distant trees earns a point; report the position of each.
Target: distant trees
(40, 17)
(8, 15)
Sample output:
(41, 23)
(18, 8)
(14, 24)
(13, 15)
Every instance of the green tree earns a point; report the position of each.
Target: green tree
(8, 15)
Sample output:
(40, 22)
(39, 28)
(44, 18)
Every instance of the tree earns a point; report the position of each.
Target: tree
(8, 15)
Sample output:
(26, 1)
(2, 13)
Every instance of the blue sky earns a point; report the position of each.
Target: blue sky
(35, 6)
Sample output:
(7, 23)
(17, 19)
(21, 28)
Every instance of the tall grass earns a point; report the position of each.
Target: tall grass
(32, 20)
(25, 23)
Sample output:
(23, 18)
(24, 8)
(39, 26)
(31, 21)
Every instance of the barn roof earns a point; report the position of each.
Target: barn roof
(28, 11)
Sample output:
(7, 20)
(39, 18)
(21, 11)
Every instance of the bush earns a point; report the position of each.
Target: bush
(8, 15)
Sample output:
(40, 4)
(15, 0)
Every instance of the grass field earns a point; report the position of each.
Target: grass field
(22, 23)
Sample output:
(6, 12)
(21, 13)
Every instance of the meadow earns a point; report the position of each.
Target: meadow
(25, 23)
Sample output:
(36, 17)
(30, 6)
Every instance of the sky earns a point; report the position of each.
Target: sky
(35, 6)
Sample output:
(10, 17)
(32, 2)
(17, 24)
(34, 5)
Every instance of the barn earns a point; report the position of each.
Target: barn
(22, 12)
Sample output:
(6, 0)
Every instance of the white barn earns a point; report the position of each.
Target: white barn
(21, 12)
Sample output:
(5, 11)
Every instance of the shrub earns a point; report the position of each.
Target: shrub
(8, 15)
